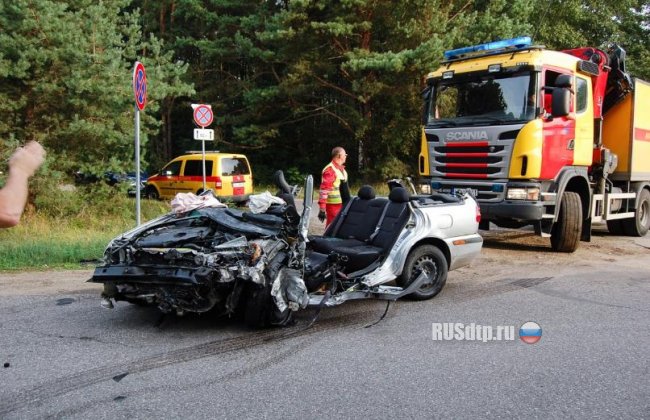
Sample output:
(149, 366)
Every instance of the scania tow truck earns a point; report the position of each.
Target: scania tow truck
(559, 140)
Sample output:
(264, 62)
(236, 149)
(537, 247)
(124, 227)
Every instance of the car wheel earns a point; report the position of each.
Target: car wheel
(152, 193)
(262, 312)
(430, 260)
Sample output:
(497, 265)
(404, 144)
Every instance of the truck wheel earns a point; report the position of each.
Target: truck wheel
(262, 312)
(432, 261)
(565, 234)
(152, 193)
(615, 227)
(639, 224)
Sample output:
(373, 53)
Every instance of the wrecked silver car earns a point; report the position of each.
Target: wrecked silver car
(264, 265)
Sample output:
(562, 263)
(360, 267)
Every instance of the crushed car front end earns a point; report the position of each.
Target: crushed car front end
(204, 259)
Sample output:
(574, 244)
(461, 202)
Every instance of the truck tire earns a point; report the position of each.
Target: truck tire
(639, 224)
(430, 259)
(615, 227)
(565, 234)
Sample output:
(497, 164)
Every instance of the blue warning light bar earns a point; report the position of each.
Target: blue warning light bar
(490, 47)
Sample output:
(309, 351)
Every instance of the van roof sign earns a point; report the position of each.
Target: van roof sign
(489, 48)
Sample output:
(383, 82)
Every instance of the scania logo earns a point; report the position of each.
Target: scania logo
(467, 135)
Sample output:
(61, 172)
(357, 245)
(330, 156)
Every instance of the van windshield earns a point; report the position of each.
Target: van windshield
(234, 166)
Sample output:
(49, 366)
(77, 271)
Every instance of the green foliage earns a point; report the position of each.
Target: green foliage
(573, 23)
(287, 80)
(294, 176)
(65, 80)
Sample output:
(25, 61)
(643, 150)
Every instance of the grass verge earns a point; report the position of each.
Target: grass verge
(70, 241)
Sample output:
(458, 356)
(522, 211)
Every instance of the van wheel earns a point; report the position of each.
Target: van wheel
(430, 260)
(565, 234)
(639, 224)
(152, 193)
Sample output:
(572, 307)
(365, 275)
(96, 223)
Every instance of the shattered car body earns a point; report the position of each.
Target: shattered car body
(265, 266)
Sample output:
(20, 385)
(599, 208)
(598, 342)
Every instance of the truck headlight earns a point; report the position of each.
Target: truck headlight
(531, 193)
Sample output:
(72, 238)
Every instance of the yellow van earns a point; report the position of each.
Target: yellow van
(229, 175)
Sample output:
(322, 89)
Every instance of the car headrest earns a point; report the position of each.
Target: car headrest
(366, 192)
(399, 195)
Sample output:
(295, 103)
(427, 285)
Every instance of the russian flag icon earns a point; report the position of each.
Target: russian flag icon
(530, 332)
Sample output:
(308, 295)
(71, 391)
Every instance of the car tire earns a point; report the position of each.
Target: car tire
(565, 234)
(152, 193)
(430, 259)
(639, 224)
(261, 311)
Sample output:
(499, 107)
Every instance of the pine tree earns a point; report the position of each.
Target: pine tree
(65, 80)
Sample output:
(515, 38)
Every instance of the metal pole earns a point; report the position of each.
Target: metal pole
(203, 152)
(137, 166)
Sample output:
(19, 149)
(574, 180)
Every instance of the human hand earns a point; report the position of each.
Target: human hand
(322, 216)
(28, 158)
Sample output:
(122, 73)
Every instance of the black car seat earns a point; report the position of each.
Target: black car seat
(354, 225)
(392, 220)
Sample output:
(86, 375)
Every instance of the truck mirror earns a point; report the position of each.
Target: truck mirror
(564, 81)
(560, 105)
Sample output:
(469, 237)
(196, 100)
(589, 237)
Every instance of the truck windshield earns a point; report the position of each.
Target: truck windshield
(484, 99)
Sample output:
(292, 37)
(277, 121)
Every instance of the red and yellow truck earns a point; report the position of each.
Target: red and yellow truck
(556, 140)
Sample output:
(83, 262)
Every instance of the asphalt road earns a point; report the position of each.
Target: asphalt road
(67, 357)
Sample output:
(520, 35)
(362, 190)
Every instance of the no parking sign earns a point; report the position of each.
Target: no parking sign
(203, 115)
(140, 85)
(140, 93)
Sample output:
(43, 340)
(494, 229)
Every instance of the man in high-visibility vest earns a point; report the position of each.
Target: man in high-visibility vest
(334, 190)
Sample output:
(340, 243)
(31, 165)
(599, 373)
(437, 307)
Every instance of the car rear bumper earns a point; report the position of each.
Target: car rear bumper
(463, 249)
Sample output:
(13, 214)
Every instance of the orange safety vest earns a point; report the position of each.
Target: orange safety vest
(334, 196)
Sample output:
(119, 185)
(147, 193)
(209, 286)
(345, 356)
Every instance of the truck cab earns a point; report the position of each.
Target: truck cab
(520, 127)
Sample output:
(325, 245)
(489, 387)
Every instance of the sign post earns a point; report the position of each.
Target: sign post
(203, 117)
(140, 93)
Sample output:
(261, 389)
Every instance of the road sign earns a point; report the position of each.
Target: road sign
(203, 115)
(203, 134)
(140, 85)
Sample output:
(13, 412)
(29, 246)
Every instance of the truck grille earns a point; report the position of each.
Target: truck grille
(471, 159)
(468, 160)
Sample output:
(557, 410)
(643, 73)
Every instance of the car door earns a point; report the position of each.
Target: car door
(167, 179)
(192, 177)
